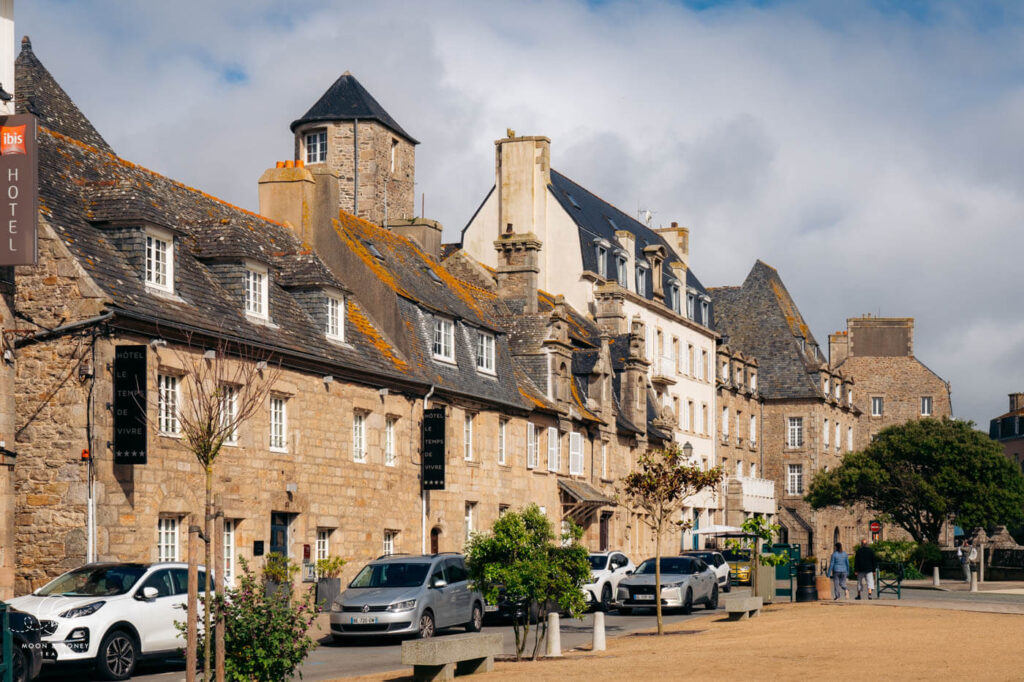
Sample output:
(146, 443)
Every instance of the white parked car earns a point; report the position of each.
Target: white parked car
(113, 614)
(606, 570)
(685, 581)
(717, 563)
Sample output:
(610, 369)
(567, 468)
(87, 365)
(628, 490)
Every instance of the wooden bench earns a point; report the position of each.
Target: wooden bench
(742, 607)
(441, 658)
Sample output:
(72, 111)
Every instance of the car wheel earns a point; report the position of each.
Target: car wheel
(117, 656)
(712, 602)
(426, 628)
(688, 603)
(476, 621)
(625, 611)
(20, 661)
(606, 598)
(728, 583)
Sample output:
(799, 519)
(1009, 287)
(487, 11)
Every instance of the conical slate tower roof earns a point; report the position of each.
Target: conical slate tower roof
(346, 100)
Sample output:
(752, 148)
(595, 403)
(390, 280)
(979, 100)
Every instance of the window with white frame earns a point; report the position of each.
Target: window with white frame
(576, 453)
(641, 281)
(690, 303)
(229, 412)
(753, 470)
(167, 539)
(444, 339)
(502, 426)
(674, 295)
(394, 149)
(278, 424)
(704, 426)
(838, 439)
(691, 423)
(316, 146)
(553, 449)
(336, 317)
(705, 313)
(532, 445)
(623, 276)
(849, 396)
(725, 423)
(168, 402)
(467, 434)
(485, 352)
(753, 429)
(849, 439)
(602, 261)
(389, 442)
(256, 291)
(926, 406)
(159, 260)
(739, 468)
(839, 390)
(358, 437)
(877, 405)
(390, 541)
(470, 519)
(795, 481)
(604, 459)
(753, 382)
(690, 369)
(795, 434)
(824, 433)
(705, 366)
(229, 552)
(323, 544)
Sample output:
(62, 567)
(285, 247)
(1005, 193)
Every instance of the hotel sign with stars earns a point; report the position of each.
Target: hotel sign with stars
(130, 405)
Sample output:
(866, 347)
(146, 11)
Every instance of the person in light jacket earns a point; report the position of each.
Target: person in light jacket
(966, 554)
(838, 567)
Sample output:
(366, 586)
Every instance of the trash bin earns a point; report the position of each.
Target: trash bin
(805, 587)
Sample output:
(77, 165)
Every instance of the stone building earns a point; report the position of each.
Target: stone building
(1008, 429)
(893, 385)
(809, 418)
(617, 271)
(367, 328)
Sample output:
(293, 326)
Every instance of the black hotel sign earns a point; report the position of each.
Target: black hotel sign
(19, 190)
(130, 405)
(433, 449)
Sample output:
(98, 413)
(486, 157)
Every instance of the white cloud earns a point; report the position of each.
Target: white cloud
(874, 156)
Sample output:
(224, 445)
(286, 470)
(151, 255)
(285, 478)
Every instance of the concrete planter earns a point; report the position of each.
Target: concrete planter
(327, 590)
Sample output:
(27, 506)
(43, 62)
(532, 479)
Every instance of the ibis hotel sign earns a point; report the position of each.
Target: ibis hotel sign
(19, 190)
(130, 405)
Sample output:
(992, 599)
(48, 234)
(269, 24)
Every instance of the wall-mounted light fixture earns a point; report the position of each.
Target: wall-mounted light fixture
(329, 379)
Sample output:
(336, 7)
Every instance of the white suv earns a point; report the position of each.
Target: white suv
(112, 613)
(606, 570)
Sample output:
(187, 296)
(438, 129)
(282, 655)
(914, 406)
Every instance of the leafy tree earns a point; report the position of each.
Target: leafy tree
(923, 472)
(520, 561)
(759, 530)
(657, 490)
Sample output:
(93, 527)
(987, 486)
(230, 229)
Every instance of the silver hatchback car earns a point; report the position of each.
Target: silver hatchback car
(408, 595)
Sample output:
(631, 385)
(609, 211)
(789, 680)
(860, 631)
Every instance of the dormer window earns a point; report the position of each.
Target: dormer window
(673, 296)
(159, 259)
(602, 261)
(691, 301)
(485, 352)
(335, 317)
(705, 313)
(753, 382)
(444, 339)
(623, 276)
(316, 146)
(256, 290)
(641, 280)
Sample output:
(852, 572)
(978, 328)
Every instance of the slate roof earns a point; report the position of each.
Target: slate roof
(597, 219)
(761, 319)
(347, 100)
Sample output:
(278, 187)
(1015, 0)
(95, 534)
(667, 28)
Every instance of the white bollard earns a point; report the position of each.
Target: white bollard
(554, 637)
(974, 581)
(981, 565)
(599, 644)
(935, 576)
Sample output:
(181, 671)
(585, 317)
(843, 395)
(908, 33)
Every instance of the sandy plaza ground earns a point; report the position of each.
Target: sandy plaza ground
(790, 641)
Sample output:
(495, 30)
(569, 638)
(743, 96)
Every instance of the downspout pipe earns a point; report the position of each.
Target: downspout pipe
(355, 167)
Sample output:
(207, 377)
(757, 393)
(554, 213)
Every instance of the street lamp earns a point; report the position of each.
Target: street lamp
(687, 450)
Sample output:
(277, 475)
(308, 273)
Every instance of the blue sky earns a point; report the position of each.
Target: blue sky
(873, 152)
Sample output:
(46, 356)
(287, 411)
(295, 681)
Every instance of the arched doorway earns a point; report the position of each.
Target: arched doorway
(435, 540)
(835, 537)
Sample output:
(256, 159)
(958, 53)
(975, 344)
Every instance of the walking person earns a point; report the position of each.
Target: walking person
(838, 567)
(967, 554)
(864, 565)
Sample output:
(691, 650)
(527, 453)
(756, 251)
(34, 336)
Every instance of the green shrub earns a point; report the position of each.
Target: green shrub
(330, 567)
(277, 568)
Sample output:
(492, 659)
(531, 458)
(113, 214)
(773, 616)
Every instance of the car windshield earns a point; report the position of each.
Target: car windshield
(598, 562)
(679, 565)
(94, 581)
(708, 557)
(391, 575)
(736, 554)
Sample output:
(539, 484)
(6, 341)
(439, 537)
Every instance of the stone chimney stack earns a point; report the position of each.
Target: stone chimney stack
(424, 231)
(611, 314)
(1016, 401)
(518, 268)
(838, 347)
(302, 198)
(522, 173)
(679, 239)
(633, 386)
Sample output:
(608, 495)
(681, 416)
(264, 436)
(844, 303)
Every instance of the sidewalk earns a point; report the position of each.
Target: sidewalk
(997, 587)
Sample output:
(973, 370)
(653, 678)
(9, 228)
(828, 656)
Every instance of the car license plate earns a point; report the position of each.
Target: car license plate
(363, 620)
(491, 608)
(643, 597)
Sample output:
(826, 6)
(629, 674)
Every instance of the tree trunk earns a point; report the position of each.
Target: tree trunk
(218, 581)
(192, 613)
(207, 602)
(657, 580)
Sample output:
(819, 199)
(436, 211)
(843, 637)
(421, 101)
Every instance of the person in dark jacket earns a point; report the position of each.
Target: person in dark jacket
(864, 565)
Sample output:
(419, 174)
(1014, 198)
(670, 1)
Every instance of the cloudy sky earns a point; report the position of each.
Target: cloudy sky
(873, 152)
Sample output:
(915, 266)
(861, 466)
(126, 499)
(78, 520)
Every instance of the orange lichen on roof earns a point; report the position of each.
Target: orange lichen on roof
(579, 402)
(796, 325)
(128, 164)
(357, 247)
(532, 399)
(363, 324)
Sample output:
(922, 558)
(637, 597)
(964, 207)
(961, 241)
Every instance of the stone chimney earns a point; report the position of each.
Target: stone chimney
(838, 348)
(522, 173)
(560, 352)
(633, 383)
(679, 239)
(611, 314)
(518, 268)
(880, 336)
(1016, 401)
(302, 198)
(425, 232)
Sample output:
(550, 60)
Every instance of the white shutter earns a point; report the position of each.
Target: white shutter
(576, 453)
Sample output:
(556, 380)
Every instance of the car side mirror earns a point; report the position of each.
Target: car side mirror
(438, 583)
(629, 572)
(147, 594)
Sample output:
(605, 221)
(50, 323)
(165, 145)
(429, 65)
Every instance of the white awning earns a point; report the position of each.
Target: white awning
(716, 529)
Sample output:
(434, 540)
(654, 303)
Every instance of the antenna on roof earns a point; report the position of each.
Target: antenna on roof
(645, 216)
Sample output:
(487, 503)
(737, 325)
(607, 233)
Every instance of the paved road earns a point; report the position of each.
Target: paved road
(329, 660)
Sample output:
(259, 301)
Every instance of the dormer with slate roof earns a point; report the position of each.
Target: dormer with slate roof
(349, 133)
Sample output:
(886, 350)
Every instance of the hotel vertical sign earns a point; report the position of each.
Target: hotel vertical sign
(130, 405)
(19, 190)
(433, 449)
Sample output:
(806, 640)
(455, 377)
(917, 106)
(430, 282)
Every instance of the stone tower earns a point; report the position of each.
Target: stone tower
(350, 134)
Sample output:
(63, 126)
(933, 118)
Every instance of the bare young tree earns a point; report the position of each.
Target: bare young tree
(657, 490)
(221, 388)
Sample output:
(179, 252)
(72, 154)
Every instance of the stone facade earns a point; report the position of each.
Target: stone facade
(1008, 429)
